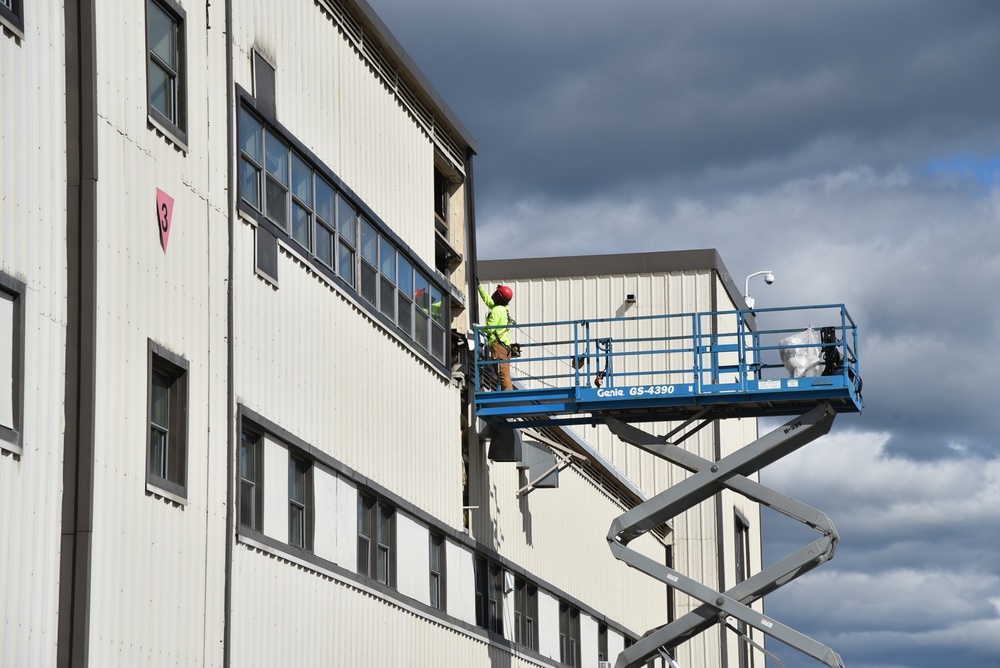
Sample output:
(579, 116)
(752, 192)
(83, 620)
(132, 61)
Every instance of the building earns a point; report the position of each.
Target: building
(718, 542)
(237, 272)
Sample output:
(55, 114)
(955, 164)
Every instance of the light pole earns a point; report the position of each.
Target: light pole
(768, 278)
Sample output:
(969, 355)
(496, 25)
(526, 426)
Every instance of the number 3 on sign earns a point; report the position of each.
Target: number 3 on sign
(164, 212)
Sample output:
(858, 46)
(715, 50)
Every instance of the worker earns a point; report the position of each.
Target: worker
(498, 336)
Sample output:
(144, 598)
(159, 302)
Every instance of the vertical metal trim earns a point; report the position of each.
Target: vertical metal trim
(719, 522)
(231, 423)
(72, 639)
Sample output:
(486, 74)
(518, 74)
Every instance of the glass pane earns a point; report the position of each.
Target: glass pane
(383, 565)
(369, 242)
(277, 207)
(249, 134)
(437, 305)
(420, 328)
(364, 517)
(160, 399)
(405, 278)
(435, 601)
(324, 201)
(387, 259)
(347, 221)
(296, 481)
(437, 342)
(404, 314)
(369, 281)
(346, 263)
(250, 184)
(300, 224)
(387, 298)
(247, 459)
(301, 180)
(157, 452)
(324, 245)
(363, 550)
(276, 157)
(246, 503)
(384, 520)
(162, 32)
(295, 533)
(161, 90)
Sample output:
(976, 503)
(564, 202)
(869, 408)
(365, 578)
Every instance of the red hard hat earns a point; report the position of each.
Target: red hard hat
(506, 292)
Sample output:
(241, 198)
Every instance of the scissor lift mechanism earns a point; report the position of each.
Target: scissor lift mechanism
(725, 375)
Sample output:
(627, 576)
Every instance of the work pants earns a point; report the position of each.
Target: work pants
(502, 352)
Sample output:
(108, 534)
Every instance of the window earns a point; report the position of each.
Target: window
(437, 571)
(11, 14)
(489, 595)
(293, 199)
(252, 481)
(165, 66)
(742, 565)
(376, 540)
(167, 449)
(299, 503)
(525, 613)
(11, 360)
(602, 642)
(442, 193)
(569, 635)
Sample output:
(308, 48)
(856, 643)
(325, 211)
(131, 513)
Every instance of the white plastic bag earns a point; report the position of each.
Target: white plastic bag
(802, 362)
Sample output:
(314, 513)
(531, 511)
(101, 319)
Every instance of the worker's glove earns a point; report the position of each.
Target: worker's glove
(515, 350)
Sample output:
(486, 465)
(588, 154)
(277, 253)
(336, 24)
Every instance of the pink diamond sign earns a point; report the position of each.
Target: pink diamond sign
(164, 212)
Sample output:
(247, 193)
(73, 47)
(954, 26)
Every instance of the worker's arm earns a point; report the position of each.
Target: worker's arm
(486, 297)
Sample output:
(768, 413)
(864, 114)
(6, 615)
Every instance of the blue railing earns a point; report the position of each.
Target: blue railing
(682, 357)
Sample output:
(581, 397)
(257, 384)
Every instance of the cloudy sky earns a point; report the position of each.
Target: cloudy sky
(852, 147)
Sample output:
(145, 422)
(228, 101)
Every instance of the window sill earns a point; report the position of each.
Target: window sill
(10, 448)
(169, 132)
(156, 490)
(15, 27)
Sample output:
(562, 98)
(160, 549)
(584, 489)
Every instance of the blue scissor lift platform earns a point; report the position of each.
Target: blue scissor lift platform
(669, 367)
(693, 367)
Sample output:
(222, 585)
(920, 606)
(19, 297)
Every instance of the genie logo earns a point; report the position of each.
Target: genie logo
(610, 393)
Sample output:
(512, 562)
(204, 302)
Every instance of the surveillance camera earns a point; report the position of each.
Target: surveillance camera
(769, 279)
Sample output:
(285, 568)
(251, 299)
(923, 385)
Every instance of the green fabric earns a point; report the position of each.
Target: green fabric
(499, 317)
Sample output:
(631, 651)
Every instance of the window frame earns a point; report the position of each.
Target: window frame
(173, 483)
(304, 504)
(13, 17)
(438, 577)
(378, 514)
(569, 635)
(489, 577)
(175, 128)
(256, 497)
(11, 435)
(525, 613)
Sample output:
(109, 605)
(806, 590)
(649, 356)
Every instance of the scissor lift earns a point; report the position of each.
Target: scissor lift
(692, 368)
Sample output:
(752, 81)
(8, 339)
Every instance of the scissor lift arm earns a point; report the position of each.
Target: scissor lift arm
(707, 479)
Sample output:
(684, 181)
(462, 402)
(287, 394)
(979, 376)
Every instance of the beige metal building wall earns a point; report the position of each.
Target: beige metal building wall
(155, 592)
(33, 336)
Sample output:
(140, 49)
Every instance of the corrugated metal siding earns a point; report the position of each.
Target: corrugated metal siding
(153, 601)
(342, 112)
(327, 622)
(33, 251)
(560, 536)
(313, 362)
